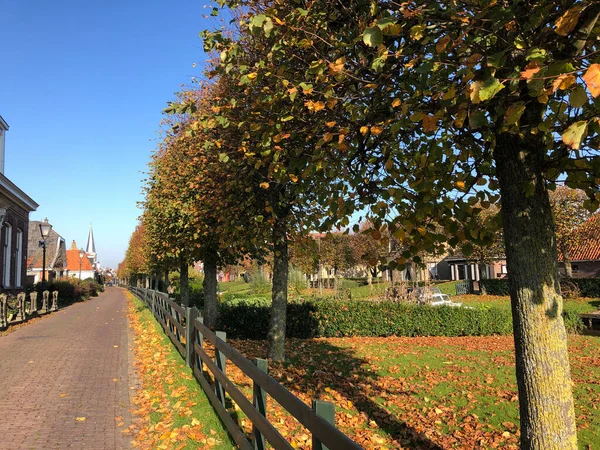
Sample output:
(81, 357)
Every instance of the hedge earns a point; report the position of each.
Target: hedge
(249, 319)
(588, 287)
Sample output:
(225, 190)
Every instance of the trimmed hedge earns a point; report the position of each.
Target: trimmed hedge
(588, 287)
(249, 319)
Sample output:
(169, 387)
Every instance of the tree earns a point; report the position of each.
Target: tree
(568, 208)
(437, 110)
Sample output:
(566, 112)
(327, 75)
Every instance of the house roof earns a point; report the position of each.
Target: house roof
(588, 248)
(73, 261)
(55, 248)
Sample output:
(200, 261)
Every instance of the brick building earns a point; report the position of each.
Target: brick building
(15, 207)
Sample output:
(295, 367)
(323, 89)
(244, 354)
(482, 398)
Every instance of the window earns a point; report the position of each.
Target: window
(503, 268)
(7, 254)
(19, 262)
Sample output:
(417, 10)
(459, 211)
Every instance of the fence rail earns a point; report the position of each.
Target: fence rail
(186, 330)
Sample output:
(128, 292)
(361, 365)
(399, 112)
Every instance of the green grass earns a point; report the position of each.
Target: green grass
(202, 410)
(440, 384)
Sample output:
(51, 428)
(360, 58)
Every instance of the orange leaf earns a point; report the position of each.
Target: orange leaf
(563, 82)
(530, 70)
(429, 124)
(566, 23)
(264, 185)
(592, 79)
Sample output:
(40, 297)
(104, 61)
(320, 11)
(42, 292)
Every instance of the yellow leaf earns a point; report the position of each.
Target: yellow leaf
(294, 178)
(195, 422)
(475, 88)
(566, 23)
(592, 79)
(264, 185)
(376, 129)
(115, 346)
(318, 106)
(80, 419)
(364, 130)
(252, 75)
(330, 124)
(573, 136)
(563, 82)
(460, 184)
(396, 103)
(327, 137)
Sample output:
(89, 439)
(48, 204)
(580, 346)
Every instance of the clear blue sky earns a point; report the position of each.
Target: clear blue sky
(82, 86)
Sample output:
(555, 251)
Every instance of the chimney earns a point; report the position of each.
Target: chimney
(3, 130)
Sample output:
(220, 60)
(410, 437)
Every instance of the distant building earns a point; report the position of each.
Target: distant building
(56, 259)
(79, 267)
(15, 207)
(585, 257)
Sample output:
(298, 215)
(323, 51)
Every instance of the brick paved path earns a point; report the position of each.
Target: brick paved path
(73, 363)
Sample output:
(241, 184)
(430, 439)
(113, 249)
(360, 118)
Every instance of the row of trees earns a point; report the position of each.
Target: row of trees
(420, 116)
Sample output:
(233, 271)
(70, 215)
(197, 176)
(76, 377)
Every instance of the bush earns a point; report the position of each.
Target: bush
(584, 287)
(248, 318)
(70, 290)
(495, 286)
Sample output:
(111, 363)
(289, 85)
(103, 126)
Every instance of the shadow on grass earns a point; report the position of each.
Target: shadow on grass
(312, 366)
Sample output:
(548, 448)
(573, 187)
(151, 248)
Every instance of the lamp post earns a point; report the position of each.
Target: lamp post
(81, 255)
(45, 228)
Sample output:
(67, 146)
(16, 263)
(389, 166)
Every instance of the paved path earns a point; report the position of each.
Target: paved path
(73, 363)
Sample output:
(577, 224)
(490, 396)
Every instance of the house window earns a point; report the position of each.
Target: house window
(19, 261)
(503, 268)
(7, 255)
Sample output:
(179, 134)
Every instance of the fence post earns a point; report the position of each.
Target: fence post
(190, 316)
(259, 399)
(200, 338)
(221, 364)
(326, 410)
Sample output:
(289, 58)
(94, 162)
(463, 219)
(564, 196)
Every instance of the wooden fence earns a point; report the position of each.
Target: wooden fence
(187, 332)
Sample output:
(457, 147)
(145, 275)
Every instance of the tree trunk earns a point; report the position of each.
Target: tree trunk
(542, 366)
(279, 294)
(184, 284)
(209, 286)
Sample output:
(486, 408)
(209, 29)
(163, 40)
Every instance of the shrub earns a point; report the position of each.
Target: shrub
(494, 286)
(574, 287)
(249, 319)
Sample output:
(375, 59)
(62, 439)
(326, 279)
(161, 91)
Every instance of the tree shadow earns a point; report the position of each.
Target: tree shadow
(335, 368)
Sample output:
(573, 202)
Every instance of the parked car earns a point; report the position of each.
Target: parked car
(432, 296)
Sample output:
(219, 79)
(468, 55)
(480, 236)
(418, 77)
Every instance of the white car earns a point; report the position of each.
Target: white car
(433, 297)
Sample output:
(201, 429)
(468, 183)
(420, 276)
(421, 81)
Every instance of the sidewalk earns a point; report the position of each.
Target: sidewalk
(64, 379)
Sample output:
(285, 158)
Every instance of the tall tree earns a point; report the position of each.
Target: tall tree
(570, 212)
(437, 110)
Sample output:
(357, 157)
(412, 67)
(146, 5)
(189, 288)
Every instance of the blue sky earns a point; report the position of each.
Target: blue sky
(82, 86)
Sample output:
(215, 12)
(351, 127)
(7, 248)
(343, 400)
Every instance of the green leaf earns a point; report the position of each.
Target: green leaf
(573, 135)
(373, 36)
(578, 97)
(417, 32)
(268, 26)
(477, 119)
(490, 87)
(256, 22)
(385, 23)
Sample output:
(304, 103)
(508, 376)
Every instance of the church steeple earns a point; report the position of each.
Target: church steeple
(91, 246)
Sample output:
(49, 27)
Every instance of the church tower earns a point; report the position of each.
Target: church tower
(91, 246)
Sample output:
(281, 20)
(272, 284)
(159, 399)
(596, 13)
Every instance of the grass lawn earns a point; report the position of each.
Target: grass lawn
(171, 409)
(430, 393)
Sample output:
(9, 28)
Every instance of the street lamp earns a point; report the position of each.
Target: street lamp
(81, 255)
(45, 228)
